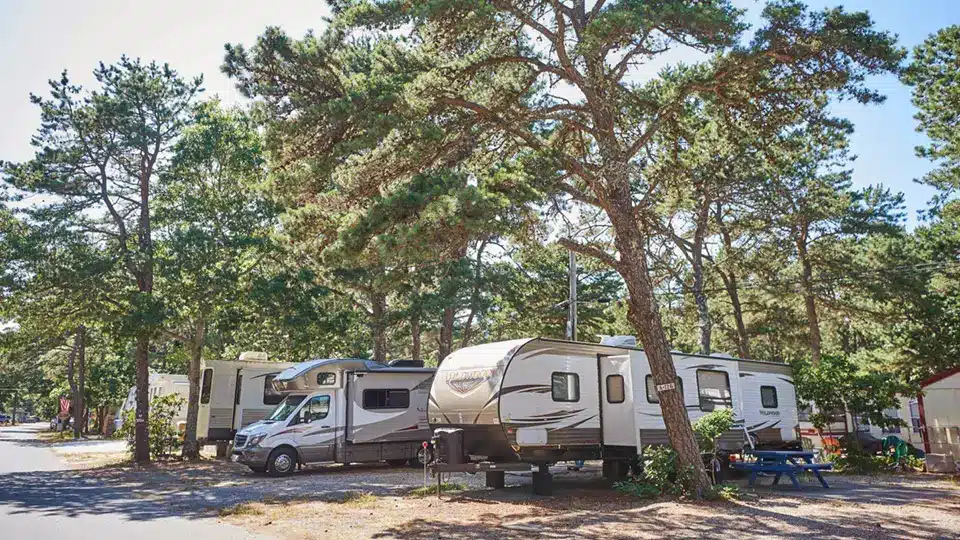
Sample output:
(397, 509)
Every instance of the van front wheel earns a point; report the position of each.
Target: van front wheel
(282, 462)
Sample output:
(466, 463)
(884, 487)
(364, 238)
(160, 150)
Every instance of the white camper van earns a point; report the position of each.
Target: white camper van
(234, 394)
(543, 400)
(340, 410)
(161, 384)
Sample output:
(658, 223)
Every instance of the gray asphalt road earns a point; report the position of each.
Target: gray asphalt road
(40, 498)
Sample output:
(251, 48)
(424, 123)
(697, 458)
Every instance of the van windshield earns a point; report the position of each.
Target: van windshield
(287, 406)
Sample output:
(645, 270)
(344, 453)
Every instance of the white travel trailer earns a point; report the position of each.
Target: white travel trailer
(236, 393)
(543, 400)
(340, 410)
(161, 384)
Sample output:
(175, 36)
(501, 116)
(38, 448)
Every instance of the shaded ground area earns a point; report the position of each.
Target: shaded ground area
(897, 508)
(368, 502)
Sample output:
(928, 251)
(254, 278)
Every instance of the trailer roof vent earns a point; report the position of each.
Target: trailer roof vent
(253, 356)
(618, 341)
(722, 355)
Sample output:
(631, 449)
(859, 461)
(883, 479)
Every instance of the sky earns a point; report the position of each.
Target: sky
(40, 38)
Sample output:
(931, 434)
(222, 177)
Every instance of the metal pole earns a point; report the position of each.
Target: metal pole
(572, 300)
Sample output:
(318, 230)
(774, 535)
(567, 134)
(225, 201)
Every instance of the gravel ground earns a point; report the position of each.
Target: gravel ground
(368, 502)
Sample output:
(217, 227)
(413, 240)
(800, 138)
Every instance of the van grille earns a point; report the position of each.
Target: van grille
(239, 441)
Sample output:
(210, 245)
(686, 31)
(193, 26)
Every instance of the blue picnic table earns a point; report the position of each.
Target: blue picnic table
(783, 462)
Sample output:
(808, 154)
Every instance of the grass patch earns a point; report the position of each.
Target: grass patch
(242, 509)
(432, 490)
(358, 498)
(55, 436)
(724, 492)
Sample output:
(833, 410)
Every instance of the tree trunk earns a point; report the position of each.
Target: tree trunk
(729, 278)
(191, 447)
(705, 325)
(809, 298)
(141, 446)
(475, 295)
(72, 380)
(80, 406)
(415, 335)
(378, 303)
(446, 334)
(644, 315)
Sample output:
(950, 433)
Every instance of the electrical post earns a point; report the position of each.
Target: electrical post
(572, 300)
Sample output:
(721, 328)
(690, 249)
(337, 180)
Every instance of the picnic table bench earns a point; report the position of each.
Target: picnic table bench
(782, 462)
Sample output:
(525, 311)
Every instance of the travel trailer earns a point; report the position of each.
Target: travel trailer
(233, 394)
(161, 384)
(343, 411)
(236, 393)
(543, 400)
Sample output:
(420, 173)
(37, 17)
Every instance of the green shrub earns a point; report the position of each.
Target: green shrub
(164, 440)
(725, 492)
(660, 476)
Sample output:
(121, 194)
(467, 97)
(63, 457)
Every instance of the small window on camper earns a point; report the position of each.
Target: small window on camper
(205, 385)
(768, 397)
(652, 396)
(270, 394)
(713, 387)
(386, 399)
(326, 378)
(615, 389)
(565, 386)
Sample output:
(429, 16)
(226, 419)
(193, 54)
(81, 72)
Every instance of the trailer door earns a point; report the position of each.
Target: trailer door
(616, 401)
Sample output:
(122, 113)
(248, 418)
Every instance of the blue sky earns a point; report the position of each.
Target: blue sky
(39, 38)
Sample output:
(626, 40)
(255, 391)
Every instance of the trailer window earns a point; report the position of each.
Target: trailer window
(205, 384)
(768, 397)
(615, 390)
(652, 396)
(565, 386)
(326, 378)
(270, 395)
(713, 388)
(386, 399)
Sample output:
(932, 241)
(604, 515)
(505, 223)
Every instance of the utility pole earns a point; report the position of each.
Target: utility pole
(572, 300)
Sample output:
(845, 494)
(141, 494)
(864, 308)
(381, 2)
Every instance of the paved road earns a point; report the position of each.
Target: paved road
(40, 498)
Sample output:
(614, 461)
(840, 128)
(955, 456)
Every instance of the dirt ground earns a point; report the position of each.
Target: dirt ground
(918, 506)
(369, 501)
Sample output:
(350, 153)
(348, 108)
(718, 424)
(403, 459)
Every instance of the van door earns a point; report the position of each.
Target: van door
(616, 401)
(318, 439)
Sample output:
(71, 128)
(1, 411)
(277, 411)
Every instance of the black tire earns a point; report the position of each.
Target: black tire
(282, 462)
(424, 456)
(396, 462)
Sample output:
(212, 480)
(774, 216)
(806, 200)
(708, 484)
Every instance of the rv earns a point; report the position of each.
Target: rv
(236, 393)
(542, 400)
(343, 411)
(233, 394)
(161, 384)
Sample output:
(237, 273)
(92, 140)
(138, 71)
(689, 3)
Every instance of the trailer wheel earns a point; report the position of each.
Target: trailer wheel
(424, 456)
(282, 462)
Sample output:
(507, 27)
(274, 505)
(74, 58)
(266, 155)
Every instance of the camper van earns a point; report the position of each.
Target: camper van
(161, 384)
(343, 411)
(543, 400)
(236, 393)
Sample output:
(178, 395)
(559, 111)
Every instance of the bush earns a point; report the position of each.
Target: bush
(660, 475)
(164, 440)
(724, 492)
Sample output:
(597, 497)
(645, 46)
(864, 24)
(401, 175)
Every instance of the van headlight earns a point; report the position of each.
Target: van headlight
(255, 440)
